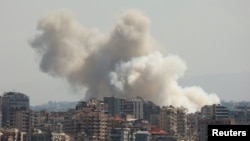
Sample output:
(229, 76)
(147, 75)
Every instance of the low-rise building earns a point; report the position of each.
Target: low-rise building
(142, 136)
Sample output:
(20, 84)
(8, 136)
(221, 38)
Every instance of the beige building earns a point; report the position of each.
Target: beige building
(12, 134)
(168, 120)
(93, 123)
(22, 120)
(59, 137)
(181, 121)
(97, 125)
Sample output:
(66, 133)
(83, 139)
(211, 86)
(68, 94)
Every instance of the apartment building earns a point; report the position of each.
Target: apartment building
(168, 120)
(87, 120)
(240, 115)
(10, 103)
(181, 121)
(134, 107)
(120, 134)
(115, 105)
(203, 124)
(22, 120)
(215, 111)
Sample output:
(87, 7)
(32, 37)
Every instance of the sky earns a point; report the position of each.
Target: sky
(212, 37)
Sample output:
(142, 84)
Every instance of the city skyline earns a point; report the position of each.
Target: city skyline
(114, 119)
(211, 38)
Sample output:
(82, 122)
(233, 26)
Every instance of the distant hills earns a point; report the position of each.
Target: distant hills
(55, 106)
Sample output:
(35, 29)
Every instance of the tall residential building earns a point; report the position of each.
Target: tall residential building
(181, 121)
(93, 123)
(12, 102)
(215, 114)
(128, 108)
(134, 107)
(193, 123)
(97, 125)
(215, 111)
(203, 124)
(86, 120)
(115, 105)
(120, 134)
(22, 120)
(168, 120)
(138, 107)
(154, 120)
(35, 119)
(149, 109)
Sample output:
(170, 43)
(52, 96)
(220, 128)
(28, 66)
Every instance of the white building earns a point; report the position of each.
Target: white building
(134, 107)
(138, 107)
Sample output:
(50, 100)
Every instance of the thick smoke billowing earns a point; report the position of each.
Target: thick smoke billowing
(125, 62)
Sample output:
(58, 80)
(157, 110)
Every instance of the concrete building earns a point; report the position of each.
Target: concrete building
(149, 108)
(36, 119)
(120, 134)
(215, 111)
(12, 102)
(81, 105)
(142, 136)
(22, 120)
(181, 121)
(13, 134)
(49, 136)
(154, 120)
(193, 124)
(138, 107)
(134, 107)
(128, 108)
(203, 124)
(97, 125)
(59, 137)
(115, 105)
(87, 120)
(38, 135)
(168, 120)
(215, 114)
(240, 115)
(70, 124)
(157, 134)
(98, 105)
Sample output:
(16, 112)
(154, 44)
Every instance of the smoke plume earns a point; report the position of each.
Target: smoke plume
(126, 61)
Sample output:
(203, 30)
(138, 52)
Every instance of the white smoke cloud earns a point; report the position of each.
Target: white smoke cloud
(127, 61)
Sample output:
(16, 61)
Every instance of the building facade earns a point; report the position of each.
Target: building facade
(168, 120)
(13, 102)
(115, 105)
(215, 111)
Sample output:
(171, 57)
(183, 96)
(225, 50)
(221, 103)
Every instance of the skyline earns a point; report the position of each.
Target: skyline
(211, 37)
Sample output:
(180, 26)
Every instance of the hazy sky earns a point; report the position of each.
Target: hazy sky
(212, 37)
